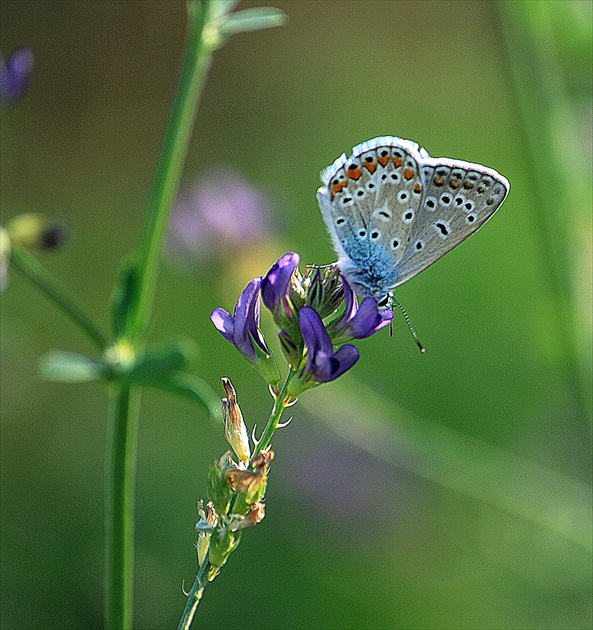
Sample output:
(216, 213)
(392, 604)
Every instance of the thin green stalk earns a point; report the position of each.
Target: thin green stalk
(195, 596)
(197, 60)
(119, 506)
(548, 134)
(124, 410)
(280, 404)
(25, 262)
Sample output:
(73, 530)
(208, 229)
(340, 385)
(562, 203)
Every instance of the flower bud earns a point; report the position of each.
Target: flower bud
(36, 231)
(208, 520)
(219, 490)
(4, 257)
(234, 427)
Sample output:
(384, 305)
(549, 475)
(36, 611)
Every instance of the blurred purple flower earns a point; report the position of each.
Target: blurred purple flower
(15, 74)
(221, 208)
(360, 322)
(323, 364)
(276, 283)
(242, 328)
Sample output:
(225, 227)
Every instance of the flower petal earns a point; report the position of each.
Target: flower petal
(314, 335)
(368, 320)
(247, 320)
(277, 281)
(224, 323)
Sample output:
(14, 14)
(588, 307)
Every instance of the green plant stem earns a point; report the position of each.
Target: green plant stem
(195, 596)
(119, 505)
(196, 61)
(27, 264)
(548, 135)
(123, 420)
(280, 404)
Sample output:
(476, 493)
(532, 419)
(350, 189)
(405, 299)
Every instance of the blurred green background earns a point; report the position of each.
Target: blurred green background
(450, 490)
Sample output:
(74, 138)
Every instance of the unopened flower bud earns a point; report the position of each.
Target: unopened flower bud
(34, 230)
(208, 520)
(234, 427)
(4, 257)
(219, 489)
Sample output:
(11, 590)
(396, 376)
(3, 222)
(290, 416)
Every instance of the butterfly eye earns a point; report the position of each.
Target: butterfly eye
(383, 302)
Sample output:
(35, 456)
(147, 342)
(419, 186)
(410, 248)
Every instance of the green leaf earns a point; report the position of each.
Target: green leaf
(157, 363)
(219, 8)
(255, 19)
(123, 301)
(193, 388)
(70, 367)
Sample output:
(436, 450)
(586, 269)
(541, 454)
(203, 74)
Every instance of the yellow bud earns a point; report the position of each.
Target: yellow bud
(234, 427)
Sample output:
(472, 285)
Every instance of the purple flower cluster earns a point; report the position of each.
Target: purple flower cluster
(15, 74)
(316, 350)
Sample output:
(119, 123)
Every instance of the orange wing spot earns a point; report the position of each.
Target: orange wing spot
(354, 173)
(331, 196)
(397, 161)
(340, 186)
(454, 183)
(370, 166)
(409, 173)
(439, 181)
(417, 188)
(468, 185)
(383, 160)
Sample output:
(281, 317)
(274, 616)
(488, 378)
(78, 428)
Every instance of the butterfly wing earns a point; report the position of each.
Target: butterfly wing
(458, 198)
(370, 202)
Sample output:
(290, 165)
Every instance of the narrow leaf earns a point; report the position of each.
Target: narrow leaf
(157, 363)
(124, 298)
(70, 367)
(255, 19)
(193, 388)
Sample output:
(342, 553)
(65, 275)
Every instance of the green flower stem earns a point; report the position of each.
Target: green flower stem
(25, 262)
(280, 404)
(197, 59)
(549, 133)
(120, 466)
(123, 420)
(195, 596)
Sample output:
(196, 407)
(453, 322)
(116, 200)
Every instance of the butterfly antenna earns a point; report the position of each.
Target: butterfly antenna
(410, 327)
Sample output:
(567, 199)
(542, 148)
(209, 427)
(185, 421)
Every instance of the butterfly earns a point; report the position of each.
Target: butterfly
(392, 211)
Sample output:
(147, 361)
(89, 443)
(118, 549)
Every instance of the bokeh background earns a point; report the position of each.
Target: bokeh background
(450, 490)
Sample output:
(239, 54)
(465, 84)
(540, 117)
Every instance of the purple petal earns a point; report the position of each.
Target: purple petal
(368, 320)
(247, 320)
(224, 323)
(314, 335)
(343, 360)
(277, 281)
(350, 305)
(15, 74)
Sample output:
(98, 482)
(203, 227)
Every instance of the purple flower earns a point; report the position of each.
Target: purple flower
(220, 209)
(15, 74)
(359, 322)
(276, 283)
(242, 329)
(323, 364)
